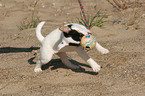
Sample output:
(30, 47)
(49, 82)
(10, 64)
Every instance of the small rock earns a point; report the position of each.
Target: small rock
(64, 22)
(67, 13)
(1, 5)
(43, 6)
(116, 21)
(143, 16)
(53, 4)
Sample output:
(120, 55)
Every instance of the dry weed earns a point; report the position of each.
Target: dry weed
(125, 4)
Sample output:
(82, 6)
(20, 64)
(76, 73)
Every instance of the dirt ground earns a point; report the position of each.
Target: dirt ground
(123, 69)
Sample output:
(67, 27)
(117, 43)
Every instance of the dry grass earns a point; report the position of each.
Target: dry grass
(26, 24)
(125, 4)
(130, 11)
(96, 20)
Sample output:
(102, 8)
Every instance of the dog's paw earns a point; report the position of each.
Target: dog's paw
(37, 70)
(104, 51)
(96, 67)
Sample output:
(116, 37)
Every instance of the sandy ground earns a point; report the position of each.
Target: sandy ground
(123, 69)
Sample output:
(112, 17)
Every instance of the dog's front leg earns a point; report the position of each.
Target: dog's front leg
(101, 49)
(96, 67)
(65, 60)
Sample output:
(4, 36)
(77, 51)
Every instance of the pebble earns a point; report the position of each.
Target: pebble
(67, 13)
(116, 21)
(53, 4)
(43, 6)
(143, 16)
(1, 5)
(64, 22)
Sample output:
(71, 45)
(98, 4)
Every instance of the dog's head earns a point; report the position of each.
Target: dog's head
(75, 31)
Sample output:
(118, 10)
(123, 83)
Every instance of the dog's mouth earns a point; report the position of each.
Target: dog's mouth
(87, 48)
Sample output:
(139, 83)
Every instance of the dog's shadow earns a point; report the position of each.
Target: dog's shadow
(16, 50)
(56, 64)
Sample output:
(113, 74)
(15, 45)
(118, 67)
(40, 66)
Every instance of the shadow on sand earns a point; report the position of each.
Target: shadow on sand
(56, 64)
(16, 50)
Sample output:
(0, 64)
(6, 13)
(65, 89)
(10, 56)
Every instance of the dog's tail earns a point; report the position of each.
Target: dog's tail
(38, 31)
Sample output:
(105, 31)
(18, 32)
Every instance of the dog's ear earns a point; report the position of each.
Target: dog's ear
(65, 29)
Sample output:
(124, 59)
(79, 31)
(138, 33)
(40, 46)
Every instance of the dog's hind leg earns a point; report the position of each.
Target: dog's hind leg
(38, 66)
(45, 57)
(65, 60)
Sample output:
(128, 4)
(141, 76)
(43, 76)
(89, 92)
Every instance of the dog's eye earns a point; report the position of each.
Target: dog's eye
(81, 35)
(70, 25)
(89, 33)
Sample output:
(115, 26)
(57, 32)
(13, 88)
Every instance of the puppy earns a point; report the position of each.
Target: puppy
(64, 39)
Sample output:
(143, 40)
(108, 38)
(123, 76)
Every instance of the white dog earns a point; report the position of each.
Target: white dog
(64, 39)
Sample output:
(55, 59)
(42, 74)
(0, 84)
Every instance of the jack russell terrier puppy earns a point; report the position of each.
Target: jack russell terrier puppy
(64, 39)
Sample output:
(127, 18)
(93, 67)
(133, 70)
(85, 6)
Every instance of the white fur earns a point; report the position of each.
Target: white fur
(56, 43)
(38, 31)
(101, 49)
